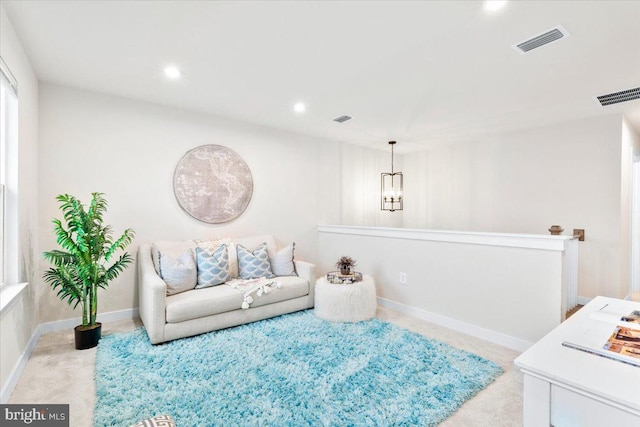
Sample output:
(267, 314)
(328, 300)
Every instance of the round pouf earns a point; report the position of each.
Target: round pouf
(345, 303)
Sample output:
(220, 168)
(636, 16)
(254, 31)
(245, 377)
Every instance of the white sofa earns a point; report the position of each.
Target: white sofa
(203, 310)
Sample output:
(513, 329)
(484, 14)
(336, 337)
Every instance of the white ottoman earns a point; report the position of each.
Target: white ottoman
(346, 303)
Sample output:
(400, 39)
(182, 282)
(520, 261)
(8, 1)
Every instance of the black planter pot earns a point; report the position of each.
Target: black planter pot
(87, 336)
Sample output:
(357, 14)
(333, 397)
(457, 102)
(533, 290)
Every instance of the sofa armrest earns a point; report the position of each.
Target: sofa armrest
(152, 293)
(307, 271)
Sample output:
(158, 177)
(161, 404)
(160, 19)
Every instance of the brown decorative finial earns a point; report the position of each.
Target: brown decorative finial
(556, 230)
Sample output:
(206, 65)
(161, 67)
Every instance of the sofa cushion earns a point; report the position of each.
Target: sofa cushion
(220, 299)
(253, 265)
(213, 268)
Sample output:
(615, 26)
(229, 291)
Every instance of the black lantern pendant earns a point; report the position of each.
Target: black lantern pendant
(391, 188)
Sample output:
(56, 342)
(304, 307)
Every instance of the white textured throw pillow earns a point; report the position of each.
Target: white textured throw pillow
(180, 274)
(211, 245)
(173, 248)
(282, 262)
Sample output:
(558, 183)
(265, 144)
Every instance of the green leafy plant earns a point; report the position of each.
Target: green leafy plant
(80, 268)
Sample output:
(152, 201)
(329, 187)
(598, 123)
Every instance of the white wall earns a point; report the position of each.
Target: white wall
(361, 169)
(129, 149)
(524, 182)
(508, 284)
(18, 323)
(630, 149)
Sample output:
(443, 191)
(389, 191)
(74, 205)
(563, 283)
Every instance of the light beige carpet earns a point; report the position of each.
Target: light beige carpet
(57, 373)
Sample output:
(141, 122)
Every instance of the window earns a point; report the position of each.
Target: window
(8, 176)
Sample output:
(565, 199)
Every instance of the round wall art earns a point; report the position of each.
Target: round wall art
(213, 184)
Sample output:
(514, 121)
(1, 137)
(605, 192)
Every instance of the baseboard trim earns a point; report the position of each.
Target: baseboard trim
(12, 380)
(584, 300)
(112, 316)
(490, 335)
(45, 328)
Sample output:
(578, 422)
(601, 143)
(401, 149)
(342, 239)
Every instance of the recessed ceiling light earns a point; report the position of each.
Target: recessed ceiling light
(493, 5)
(299, 107)
(172, 72)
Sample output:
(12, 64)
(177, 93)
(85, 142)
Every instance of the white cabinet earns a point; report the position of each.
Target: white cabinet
(569, 408)
(564, 387)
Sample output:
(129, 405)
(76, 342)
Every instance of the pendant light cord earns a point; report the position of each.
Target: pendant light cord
(392, 143)
(391, 158)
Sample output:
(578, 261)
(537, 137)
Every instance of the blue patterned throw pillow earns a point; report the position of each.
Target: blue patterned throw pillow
(213, 269)
(253, 265)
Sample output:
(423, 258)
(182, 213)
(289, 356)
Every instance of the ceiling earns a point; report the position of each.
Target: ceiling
(422, 73)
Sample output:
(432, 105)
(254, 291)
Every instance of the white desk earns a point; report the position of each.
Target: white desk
(568, 387)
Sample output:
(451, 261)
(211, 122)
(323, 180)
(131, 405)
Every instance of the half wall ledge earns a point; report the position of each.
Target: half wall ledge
(530, 241)
(518, 285)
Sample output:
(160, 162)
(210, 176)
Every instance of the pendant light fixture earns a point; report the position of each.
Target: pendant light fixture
(391, 188)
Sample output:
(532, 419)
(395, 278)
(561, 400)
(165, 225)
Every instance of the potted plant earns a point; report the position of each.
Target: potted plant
(80, 268)
(345, 264)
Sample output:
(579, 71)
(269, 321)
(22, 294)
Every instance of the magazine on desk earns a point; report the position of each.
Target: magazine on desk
(610, 332)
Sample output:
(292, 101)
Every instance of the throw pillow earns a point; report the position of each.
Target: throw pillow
(178, 273)
(213, 268)
(173, 248)
(212, 244)
(158, 421)
(282, 262)
(253, 265)
(250, 242)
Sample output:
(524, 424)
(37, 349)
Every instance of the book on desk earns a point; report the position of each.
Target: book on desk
(609, 332)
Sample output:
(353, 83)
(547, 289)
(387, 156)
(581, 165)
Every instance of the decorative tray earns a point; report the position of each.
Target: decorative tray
(340, 279)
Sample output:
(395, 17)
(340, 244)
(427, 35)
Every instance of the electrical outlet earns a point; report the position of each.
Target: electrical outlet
(403, 278)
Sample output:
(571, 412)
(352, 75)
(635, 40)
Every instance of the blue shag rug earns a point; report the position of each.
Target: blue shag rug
(292, 370)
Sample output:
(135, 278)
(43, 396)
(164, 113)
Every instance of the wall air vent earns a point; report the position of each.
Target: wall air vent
(547, 37)
(616, 97)
(342, 119)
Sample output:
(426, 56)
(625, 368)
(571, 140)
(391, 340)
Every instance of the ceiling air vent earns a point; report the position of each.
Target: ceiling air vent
(342, 119)
(547, 37)
(616, 97)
